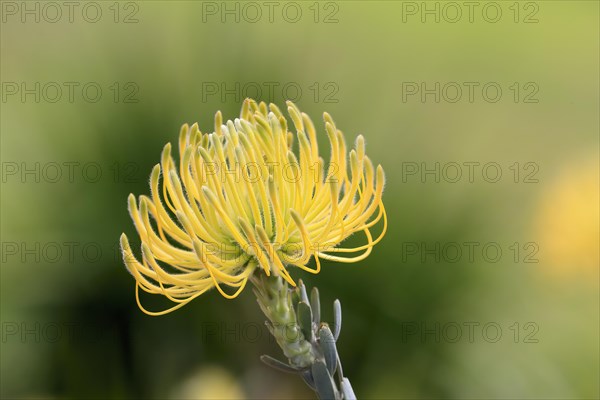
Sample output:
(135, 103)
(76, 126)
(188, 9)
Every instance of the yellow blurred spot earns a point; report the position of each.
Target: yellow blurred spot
(209, 383)
(569, 222)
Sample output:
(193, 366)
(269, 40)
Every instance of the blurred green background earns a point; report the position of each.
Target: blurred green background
(420, 320)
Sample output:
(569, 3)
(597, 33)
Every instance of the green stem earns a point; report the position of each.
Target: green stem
(308, 343)
(276, 301)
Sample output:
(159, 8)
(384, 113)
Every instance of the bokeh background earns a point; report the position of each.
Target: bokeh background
(420, 319)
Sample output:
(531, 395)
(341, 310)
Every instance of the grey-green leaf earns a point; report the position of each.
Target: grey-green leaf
(274, 363)
(324, 384)
(303, 295)
(304, 315)
(327, 343)
(307, 376)
(337, 319)
(347, 390)
(315, 304)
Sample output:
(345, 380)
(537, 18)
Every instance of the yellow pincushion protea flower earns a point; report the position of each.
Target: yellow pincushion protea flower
(241, 199)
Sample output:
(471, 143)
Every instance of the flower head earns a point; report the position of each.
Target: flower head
(241, 198)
